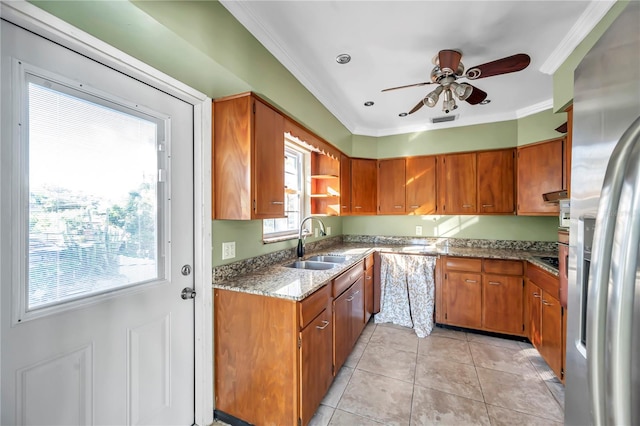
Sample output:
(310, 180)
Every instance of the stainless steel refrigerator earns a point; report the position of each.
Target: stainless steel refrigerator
(603, 328)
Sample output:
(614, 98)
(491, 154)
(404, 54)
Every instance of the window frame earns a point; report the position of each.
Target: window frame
(23, 73)
(304, 165)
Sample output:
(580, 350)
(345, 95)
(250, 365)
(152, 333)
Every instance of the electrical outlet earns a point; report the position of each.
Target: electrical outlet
(328, 230)
(228, 250)
(418, 230)
(315, 232)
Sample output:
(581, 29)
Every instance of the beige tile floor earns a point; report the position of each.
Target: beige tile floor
(392, 377)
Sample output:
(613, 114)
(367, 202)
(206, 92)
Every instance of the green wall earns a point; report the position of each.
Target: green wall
(522, 228)
(563, 77)
(540, 126)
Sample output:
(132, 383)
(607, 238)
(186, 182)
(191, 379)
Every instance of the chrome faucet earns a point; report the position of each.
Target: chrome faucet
(300, 238)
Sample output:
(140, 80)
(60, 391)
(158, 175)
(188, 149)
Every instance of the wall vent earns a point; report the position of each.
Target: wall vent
(443, 119)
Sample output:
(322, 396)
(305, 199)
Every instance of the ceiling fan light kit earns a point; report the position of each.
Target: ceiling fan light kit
(449, 68)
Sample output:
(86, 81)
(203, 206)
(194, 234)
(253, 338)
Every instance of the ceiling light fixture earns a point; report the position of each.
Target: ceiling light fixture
(343, 58)
(402, 114)
(484, 102)
(368, 103)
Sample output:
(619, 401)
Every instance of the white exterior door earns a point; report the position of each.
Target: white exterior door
(97, 227)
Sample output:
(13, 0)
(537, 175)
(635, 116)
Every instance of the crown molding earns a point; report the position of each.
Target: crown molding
(592, 15)
(535, 108)
(253, 24)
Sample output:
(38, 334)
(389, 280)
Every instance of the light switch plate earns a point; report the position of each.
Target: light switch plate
(228, 250)
(418, 230)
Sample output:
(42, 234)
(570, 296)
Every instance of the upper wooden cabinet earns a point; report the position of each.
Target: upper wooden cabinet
(457, 183)
(248, 140)
(363, 186)
(345, 185)
(325, 185)
(496, 181)
(391, 186)
(420, 187)
(568, 144)
(539, 171)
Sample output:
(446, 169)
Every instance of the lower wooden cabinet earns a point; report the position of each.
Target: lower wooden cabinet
(348, 321)
(483, 294)
(463, 299)
(273, 358)
(316, 349)
(545, 318)
(368, 288)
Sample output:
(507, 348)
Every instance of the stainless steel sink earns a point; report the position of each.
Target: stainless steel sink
(306, 264)
(330, 259)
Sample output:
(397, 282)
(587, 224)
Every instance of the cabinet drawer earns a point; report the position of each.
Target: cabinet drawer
(341, 283)
(368, 261)
(463, 264)
(544, 280)
(311, 306)
(503, 267)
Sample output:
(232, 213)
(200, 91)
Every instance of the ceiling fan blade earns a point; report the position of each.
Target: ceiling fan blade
(417, 107)
(408, 85)
(449, 60)
(500, 66)
(477, 96)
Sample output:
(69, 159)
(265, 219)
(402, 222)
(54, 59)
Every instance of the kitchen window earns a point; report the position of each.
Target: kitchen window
(296, 202)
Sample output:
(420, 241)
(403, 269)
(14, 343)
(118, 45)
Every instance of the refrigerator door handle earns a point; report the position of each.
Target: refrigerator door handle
(621, 294)
(600, 267)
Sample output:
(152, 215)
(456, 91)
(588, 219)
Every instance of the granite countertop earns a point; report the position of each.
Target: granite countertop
(296, 284)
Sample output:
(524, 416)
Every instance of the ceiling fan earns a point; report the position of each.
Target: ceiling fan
(448, 69)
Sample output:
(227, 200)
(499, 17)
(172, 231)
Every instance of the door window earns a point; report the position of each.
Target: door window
(95, 215)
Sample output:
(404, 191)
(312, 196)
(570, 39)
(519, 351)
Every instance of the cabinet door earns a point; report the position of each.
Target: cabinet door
(363, 186)
(268, 176)
(345, 185)
(539, 171)
(421, 185)
(496, 181)
(457, 183)
(391, 186)
(551, 331)
(341, 329)
(534, 313)
(316, 363)
(356, 299)
(368, 294)
(463, 299)
(502, 309)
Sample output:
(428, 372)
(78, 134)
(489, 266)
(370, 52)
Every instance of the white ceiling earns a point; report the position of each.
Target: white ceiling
(392, 43)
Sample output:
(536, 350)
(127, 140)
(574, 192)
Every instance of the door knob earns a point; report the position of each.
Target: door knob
(188, 293)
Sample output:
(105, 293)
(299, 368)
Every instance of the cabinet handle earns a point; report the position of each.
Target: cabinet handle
(357, 207)
(487, 205)
(324, 325)
(414, 207)
(467, 206)
(277, 202)
(368, 278)
(544, 302)
(344, 207)
(398, 207)
(495, 282)
(470, 281)
(536, 295)
(352, 296)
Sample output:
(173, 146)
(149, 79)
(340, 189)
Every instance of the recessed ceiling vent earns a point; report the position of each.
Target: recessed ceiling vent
(443, 119)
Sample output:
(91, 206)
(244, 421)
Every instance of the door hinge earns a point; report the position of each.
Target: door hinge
(445, 276)
(522, 283)
(562, 373)
(254, 107)
(254, 205)
(299, 342)
(445, 315)
(333, 369)
(299, 421)
(522, 327)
